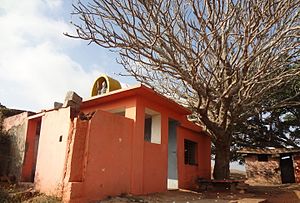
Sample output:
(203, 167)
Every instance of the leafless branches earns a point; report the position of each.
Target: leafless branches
(219, 57)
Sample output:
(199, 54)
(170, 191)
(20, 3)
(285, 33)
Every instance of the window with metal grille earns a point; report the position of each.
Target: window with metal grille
(190, 152)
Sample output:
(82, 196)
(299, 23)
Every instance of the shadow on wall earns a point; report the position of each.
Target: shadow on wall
(12, 145)
(5, 145)
(17, 150)
(12, 151)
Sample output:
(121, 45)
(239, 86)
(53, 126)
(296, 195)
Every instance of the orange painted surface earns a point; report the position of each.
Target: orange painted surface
(137, 151)
(107, 157)
(155, 168)
(78, 148)
(135, 91)
(50, 166)
(30, 151)
(189, 173)
(109, 150)
(109, 105)
(150, 167)
(155, 159)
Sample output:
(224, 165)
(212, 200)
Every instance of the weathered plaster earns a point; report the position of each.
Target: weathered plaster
(296, 159)
(15, 127)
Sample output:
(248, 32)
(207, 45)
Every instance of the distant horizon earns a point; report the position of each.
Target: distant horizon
(233, 165)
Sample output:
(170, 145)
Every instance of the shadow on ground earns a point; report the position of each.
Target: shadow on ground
(287, 193)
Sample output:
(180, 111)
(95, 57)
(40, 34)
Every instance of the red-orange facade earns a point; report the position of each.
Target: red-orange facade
(127, 141)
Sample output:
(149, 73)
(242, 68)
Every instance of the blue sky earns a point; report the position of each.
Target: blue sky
(38, 63)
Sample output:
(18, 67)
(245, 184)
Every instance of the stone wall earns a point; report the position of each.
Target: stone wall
(265, 172)
(296, 159)
(4, 153)
(15, 128)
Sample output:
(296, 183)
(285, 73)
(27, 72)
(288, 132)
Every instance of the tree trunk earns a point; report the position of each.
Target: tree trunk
(222, 160)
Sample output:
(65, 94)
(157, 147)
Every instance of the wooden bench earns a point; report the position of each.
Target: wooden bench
(205, 184)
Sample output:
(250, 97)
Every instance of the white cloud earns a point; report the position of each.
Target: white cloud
(35, 71)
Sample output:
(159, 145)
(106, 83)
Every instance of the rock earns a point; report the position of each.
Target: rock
(57, 105)
(74, 101)
(72, 96)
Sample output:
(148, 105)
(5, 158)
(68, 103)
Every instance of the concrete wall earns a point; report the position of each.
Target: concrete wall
(51, 157)
(149, 170)
(16, 128)
(126, 103)
(155, 156)
(263, 172)
(188, 174)
(103, 154)
(155, 166)
(103, 167)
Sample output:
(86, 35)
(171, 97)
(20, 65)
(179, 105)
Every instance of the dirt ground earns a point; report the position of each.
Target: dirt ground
(12, 193)
(288, 193)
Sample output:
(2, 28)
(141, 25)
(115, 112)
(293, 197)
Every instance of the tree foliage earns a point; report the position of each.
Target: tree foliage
(279, 127)
(222, 59)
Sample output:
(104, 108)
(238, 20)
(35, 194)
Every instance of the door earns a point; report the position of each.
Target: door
(287, 169)
(172, 156)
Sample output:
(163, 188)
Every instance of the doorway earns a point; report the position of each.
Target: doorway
(36, 147)
(172, 155)
(31, 149)
(287, 168)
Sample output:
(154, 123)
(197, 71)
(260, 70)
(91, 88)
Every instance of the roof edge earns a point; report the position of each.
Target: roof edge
(137, 90)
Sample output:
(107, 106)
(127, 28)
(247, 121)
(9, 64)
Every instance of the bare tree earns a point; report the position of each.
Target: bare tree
(218, 57)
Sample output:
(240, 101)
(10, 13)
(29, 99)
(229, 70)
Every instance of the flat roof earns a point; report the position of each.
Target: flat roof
(268, 150)
(137, 90)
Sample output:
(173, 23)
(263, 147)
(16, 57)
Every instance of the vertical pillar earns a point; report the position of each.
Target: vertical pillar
(137, 114)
